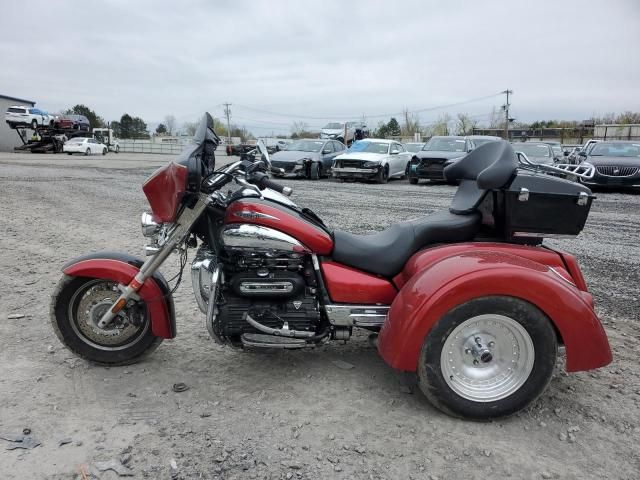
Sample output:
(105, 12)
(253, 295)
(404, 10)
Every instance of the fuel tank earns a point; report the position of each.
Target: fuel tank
(284, 227)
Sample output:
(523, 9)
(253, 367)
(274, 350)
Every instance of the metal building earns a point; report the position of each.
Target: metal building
(8, 137)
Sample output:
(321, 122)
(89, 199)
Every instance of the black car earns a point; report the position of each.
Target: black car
(438, 152)
(307, 158)
(617, 164)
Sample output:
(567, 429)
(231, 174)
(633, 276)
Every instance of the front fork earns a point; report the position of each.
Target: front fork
(183, 226)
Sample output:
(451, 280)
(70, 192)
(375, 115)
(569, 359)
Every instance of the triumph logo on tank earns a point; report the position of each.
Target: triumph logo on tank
(249, 215)
(297, 304)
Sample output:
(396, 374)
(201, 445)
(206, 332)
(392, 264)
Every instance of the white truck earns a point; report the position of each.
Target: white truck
(105, 136)
(345, 132)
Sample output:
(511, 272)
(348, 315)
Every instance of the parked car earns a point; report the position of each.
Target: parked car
(336, 131)
(482, 139)
(372, 159)
(307, 158)
(88, 146)
(558, 153)
(438, 152)
(617, 164)
(24, 116)
(537, 152)
(73, 122)
(413, 147)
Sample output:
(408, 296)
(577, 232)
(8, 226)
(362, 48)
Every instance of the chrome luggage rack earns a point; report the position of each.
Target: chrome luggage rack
(583, 171)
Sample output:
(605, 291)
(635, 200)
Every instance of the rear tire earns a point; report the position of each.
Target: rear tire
(508, 368)
(413, 180)
(78, 301)
(87, 152)
(104, 151)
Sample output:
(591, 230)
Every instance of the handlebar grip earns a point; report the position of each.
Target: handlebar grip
(266, 182)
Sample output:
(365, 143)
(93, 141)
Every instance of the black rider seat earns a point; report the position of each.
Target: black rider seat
(385, 253)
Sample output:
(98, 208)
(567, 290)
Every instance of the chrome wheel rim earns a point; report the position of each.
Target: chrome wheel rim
(87, 306)
(487, 358)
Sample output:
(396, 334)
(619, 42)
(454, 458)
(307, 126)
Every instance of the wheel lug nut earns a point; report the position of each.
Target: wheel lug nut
(475, 362)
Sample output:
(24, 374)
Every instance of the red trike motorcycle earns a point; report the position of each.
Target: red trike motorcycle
(469, 299)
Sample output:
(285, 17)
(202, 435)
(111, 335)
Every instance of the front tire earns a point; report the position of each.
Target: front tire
(87, 152)
(413, 180)
(77, 304)
(314, 171)
(104, 151)
(383, 175)
(487, 358)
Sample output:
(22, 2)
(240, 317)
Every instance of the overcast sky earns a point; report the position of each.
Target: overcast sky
(315, 61)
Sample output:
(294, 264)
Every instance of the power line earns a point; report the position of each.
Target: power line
(420, 110)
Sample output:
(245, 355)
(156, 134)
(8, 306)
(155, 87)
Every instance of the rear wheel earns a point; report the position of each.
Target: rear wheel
(87, 151)
(77, 306)
(489, 357)
(413, 180)
(383, 175)
(104, 151)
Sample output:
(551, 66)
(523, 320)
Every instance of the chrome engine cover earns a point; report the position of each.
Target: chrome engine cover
(245, 236)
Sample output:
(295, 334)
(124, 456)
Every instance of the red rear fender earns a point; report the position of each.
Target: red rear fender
(448, 282)
(122, 268)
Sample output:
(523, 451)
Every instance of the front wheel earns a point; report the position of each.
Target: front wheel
(87, 151)
(314, 171)
(489, 357)
(383, 175)
(76, 307)
(104, 151)
(413, 180)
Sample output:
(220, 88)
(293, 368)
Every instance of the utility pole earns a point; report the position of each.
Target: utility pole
(227, 112)
(506, 115)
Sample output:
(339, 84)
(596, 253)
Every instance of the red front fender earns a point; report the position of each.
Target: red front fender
(432, 292)
(122, 268)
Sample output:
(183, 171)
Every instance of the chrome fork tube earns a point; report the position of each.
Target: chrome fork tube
(186, 220)
(211, 306)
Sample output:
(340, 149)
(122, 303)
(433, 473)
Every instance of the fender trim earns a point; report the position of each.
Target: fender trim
(431, 292)
(122, 267)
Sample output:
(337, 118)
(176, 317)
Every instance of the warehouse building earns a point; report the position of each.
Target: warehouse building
(8, 137)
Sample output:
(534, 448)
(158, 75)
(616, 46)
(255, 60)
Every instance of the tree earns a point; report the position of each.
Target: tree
(297, 128)
(95, 120)
(170, 122)
(381, 131)
(465, 124)
(190, 128)
(411, 124)
(132, 127)
(441, 126)
(161, 129)
(496, 118)
(393, 128)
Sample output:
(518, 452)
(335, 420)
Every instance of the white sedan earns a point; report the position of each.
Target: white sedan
(373, 159)
(88, 146)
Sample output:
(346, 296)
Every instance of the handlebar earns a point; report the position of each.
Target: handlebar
(262, 181)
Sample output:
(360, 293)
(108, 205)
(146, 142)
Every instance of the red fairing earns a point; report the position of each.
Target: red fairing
(445, 277)
(348, 285)
(314, 238)
(122, 272)
(164, 190)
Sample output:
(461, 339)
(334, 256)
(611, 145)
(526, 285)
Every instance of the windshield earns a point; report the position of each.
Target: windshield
(532, 150)
(413, 147)
(445, 145)
(370, 147)
(616, 150)
(333, 126)
(305, 146)
(482, 141)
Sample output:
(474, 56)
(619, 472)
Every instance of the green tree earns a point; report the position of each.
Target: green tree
(393, 127)
(381, 131)
(94, 119)
(161, 129)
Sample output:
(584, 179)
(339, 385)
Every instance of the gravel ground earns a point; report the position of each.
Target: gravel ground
(286, 414)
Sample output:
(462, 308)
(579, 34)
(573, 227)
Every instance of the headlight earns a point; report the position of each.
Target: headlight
(149, 226)
(371, 164)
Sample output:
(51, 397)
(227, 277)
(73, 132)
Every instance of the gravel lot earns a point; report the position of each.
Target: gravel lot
(286, 414)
